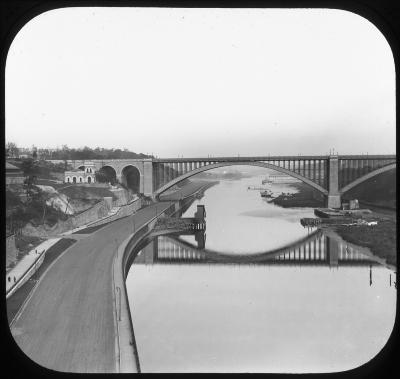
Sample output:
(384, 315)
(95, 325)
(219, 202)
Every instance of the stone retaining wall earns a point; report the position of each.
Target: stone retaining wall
(124, 211)
(122, 196)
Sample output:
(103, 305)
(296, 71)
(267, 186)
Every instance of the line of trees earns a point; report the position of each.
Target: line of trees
(66, 153)
(88, 153)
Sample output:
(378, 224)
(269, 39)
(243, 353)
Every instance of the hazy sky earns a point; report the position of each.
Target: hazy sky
(195, 82)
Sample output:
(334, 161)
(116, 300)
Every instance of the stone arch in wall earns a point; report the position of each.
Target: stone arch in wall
(74, 179)
(89, 179)
(130, 177)
(107, 174)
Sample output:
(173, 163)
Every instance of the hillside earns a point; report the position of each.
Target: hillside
(39, 204)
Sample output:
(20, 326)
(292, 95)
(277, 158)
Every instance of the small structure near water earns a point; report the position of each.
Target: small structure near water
(346, 221)
(330, 216)
(331, 213)
(195, 223)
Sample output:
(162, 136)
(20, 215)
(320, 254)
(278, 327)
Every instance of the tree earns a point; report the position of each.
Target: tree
(12, 150)
(28, 166)
(101, 177)
(105, 176)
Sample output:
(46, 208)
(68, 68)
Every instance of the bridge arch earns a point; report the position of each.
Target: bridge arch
(366, 177)
(130, 177)
(238, 163)
(107, 174)
(256, 256)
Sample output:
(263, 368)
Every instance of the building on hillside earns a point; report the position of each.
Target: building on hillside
(84, 174)
(14, 175)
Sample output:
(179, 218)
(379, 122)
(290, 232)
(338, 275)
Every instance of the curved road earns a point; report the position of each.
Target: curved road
(68, 322)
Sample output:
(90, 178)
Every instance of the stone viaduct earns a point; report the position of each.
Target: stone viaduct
(332, 175)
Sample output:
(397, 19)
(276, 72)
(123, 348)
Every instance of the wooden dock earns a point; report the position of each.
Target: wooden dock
(335, 213)
(316, 222)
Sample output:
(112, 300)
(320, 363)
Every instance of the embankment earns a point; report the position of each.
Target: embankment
(305, 197)
(127, 352)
(381, 239)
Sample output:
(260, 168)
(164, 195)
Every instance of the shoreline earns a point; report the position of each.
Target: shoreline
(306, 197)
(380, 239)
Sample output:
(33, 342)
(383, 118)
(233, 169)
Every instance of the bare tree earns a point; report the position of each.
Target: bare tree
(12, 150)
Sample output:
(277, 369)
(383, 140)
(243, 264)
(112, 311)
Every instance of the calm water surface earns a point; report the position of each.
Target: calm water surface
(316, 305)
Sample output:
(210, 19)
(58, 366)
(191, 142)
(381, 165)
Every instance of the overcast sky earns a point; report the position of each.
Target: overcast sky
(198, 82)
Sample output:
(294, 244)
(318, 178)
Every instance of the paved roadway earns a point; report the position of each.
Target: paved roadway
(68, 322)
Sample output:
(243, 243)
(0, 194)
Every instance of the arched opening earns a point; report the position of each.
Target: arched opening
(68, 180)
(74, 179)
(80, 179)
(89, 179)
(131, 178)
(379, 189)
(106, 174)
(224, 164)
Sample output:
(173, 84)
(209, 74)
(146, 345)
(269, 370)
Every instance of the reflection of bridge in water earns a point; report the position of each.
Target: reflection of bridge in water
(315, 249)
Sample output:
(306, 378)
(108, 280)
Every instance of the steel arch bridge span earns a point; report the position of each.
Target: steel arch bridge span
(253, 257)
(178, 179)
(365, 177)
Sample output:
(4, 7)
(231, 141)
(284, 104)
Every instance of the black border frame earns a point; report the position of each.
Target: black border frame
(384, 14)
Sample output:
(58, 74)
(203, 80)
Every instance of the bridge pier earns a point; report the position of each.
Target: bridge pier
(334, 200)
(147, 179)
(332, 252)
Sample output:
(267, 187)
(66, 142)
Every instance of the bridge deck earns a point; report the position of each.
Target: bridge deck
(269, 158)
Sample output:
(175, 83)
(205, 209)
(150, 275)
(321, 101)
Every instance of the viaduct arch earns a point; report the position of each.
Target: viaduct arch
(130, 177)
(109, 173)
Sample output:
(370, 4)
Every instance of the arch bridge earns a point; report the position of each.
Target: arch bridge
(314, 249)
(331, 175)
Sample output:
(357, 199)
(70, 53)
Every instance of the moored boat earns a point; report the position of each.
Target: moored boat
(266, 193)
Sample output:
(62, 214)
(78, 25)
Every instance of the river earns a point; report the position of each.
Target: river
(265, 295)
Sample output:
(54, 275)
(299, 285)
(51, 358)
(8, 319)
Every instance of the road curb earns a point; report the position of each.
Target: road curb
(127, 354)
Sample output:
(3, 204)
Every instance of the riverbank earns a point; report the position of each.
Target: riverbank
(305, 197)
(380, 239)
